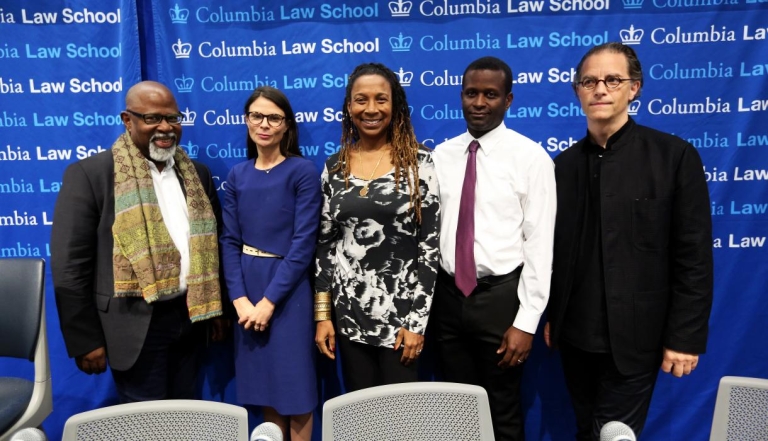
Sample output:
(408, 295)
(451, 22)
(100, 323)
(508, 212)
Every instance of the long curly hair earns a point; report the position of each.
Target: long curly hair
(404, 146)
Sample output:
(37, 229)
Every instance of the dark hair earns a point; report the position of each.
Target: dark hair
(289, 145)
(633, 63)
(491, 63)
(400, 134)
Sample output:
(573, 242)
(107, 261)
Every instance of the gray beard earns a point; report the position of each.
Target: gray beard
(161, 155)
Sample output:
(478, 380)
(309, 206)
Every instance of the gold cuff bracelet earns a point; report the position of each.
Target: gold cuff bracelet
(322, 306)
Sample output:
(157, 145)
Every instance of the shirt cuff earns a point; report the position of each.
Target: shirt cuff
(414, 325)
(527, 321)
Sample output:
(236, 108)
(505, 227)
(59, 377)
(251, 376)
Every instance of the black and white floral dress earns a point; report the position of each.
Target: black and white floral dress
(373, 256)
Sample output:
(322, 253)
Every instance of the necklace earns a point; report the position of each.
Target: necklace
(267, 170)
(364, 190)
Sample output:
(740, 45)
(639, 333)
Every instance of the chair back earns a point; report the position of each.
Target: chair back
(22, 290)
(412, 411)
(160, 420)
(22, 316)
(741, 410)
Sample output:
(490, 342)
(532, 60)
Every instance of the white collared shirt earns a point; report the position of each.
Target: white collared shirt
(515, 205)
(173, 207)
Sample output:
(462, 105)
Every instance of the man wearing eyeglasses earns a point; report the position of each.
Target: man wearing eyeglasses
(632, 270)
(134, 255)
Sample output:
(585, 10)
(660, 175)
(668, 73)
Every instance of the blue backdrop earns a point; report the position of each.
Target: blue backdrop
(65, 67)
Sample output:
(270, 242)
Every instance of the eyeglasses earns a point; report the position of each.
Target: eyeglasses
(257, 118)
(610, 82)
(154, 119)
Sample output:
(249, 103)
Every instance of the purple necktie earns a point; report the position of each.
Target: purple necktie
(466, 274)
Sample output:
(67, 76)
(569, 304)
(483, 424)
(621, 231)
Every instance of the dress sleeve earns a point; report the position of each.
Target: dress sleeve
(305, 223)
(325, 257)
(429, 244)
(232, 240)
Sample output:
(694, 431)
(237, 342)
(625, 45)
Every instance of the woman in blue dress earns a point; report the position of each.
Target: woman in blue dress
(271, 215)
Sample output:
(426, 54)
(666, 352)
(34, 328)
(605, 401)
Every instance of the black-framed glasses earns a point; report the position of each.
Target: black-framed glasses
(154, 119)
(256, 118)
(611, 82)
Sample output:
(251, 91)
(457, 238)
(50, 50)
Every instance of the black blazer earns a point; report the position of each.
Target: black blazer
(81, 264)
(656, 241)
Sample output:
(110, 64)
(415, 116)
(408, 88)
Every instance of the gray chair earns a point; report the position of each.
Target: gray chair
(413, 411)
(741, 410)
(24, 403)
(182, 420)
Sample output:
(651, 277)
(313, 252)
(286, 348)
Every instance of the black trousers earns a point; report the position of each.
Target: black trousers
(168, 364)
(600, 393)
(467, 332)
(364, 366)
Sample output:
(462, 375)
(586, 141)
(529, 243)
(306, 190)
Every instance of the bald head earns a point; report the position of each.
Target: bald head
(156, 141)
(145, 90)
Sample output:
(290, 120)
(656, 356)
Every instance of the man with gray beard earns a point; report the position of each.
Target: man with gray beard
(134, 255)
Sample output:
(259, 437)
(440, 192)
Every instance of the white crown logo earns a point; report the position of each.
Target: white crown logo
(404, 77)
(631, 35)
(189, 117)
(191, 149)
(184, 84)
(178, 15)
(633, 4)
(400, 43)
(633, 107)
(400, 8)
(181, 50)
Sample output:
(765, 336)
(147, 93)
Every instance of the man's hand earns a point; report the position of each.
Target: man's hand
(325, 338)
(679, 363)
(94, 362)
(515, 345)
(412, 344)
(219, 328)
(546, 335)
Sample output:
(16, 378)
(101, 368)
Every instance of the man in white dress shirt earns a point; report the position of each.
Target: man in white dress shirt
(497, 188)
